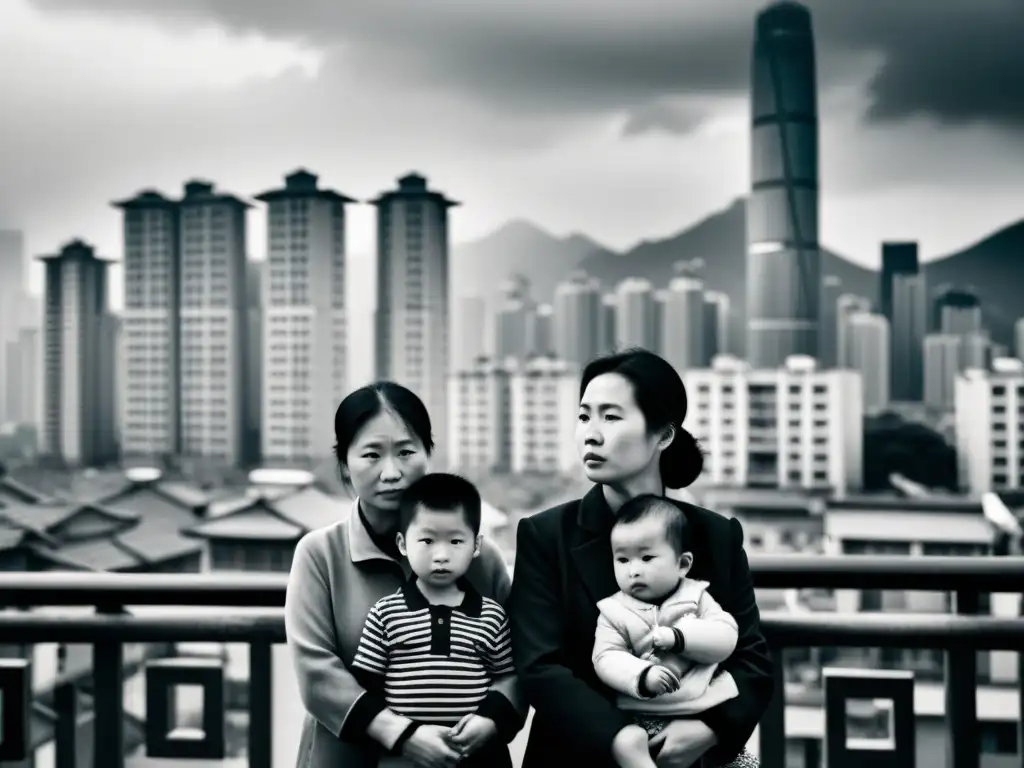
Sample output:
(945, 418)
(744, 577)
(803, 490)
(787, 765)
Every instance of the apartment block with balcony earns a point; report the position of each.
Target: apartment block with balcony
(989, 418)
(515, 416)
(479, 429)
(792, 427)
(305, 335)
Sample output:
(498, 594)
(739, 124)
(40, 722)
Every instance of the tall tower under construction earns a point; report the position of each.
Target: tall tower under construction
(783, 269)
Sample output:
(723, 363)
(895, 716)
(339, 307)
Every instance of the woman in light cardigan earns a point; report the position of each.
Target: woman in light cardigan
(383, 444)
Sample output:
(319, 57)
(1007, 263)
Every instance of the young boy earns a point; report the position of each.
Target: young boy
(659, 640)
(436, 645)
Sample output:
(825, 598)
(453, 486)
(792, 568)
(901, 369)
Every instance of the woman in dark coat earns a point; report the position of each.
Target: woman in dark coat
(631, 441)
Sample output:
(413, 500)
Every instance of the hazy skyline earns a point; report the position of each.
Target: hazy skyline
(622, 121)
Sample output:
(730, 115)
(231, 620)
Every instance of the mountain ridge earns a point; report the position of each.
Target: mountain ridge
(993, 264)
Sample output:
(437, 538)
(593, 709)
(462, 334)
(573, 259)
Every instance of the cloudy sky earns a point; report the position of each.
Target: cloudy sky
(623, 120)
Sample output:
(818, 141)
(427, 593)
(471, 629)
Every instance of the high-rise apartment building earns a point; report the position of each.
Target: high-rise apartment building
(13, 288)
(305, 329)
(717, 325)
(514, 320)
(149, 355)
(847, 305)
(897, 259)
(828, 328)
(412, 293)
(909, 327)
(958, 311)
(783, 260)
(578, 316)
(682, 323)
(869, 356)
(214, 324)
(989, 416)
(514, 415)
(80, 359)
(635, 314)
(942, 362)
(789, 427)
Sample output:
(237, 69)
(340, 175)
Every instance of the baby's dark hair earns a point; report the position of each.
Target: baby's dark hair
(677, 530)
(440, 492)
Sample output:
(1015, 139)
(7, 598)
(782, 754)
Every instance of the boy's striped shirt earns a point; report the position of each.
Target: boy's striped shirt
(436, 662)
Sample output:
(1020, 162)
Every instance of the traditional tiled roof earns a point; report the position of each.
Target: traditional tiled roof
(281, 515)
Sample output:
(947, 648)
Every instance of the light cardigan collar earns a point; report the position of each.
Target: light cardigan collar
(360, 546)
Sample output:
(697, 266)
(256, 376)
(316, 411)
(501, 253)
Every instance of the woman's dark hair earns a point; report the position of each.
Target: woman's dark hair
(661, 397)
(367, 402)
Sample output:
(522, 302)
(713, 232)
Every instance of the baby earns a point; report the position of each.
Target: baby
(436, 645)
(659, 640)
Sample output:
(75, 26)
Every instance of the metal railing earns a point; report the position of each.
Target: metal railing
(960, 635)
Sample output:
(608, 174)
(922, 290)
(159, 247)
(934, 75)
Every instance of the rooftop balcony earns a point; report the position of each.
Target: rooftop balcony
(90, 721)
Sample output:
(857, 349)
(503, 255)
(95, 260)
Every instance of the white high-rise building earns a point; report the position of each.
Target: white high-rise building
(545, 401)
(411, 341)
(577, 319)
(305, 331)
(511, 415)
(12, 305)
(79, 381)
(847, 305)
(869, 346)
(634, 318)
(149, 351)
(682, 323)
(989, 416)
(214, 324)
(792, 427)
(717, 322)
(479, 430)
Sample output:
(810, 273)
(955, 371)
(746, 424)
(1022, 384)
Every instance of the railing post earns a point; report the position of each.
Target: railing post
(15, 717)
(260, 704)
(844, 685)
(108, 690)
(963, 743)
(65, 703)
(772, 729)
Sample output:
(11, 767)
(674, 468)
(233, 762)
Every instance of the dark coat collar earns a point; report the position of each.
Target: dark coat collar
(472, 602)
(592, 548)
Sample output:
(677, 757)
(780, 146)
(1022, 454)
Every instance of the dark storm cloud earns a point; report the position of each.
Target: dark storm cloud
(952, 60)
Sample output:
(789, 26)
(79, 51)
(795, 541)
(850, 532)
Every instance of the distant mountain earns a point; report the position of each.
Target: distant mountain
(479, 267)
(994, 267)
(720, 241)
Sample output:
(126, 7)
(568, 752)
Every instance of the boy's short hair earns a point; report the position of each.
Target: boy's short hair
(677, 529)
(440, 492)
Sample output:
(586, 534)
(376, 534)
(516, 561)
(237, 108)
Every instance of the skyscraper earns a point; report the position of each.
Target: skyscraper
(577, 319)
(214, 324)
(897, 259)
(783, 269)
(305, 334)
(634, 317)
(79, 378)
(909, 304)
(717, 317)
(870, 355)
(412, 293)
(828, 329)
(682, 328)
(150, 346)
(958, 310)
